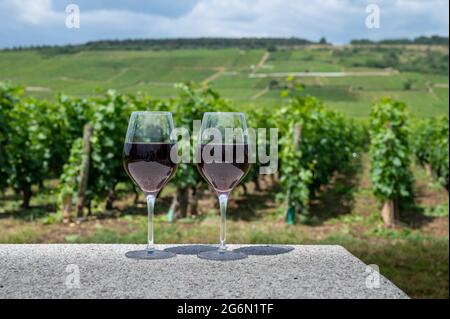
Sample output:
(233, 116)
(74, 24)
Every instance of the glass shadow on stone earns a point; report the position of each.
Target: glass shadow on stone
(264, 250)
(190, 249)
(222, 255)
(149, 255)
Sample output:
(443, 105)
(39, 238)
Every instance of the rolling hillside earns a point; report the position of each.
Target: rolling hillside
(347, 78)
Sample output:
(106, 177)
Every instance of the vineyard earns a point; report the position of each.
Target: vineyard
(46, 145)
(42, 140)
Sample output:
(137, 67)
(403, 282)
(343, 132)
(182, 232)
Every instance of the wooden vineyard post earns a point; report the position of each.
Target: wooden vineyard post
(388, 212)
(291, 211)
(84, 173)
(194, 196)
(428, 169)
(179, 206)
(67, 208)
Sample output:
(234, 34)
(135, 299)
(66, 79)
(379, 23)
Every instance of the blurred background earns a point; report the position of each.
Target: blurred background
(358, 90)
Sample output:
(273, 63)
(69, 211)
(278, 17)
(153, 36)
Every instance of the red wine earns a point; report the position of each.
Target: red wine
(224, 175)
(149, 165)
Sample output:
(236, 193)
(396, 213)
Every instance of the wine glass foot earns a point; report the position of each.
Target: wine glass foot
(222, 255)
(149, 255)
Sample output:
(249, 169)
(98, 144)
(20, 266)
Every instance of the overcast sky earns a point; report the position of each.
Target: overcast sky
(32, 22)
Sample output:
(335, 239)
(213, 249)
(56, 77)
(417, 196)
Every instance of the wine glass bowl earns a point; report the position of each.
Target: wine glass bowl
(224, 175)
(149, 165)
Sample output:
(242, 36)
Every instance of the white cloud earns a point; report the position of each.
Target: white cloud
(338, 20)
(35, 12)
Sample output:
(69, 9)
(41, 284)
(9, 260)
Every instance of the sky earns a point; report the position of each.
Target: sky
(39, 22)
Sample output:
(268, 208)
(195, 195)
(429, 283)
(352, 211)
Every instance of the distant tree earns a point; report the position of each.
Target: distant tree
(273, 84)
(361, 41)
(323, 40)
(408, 85)
(272, 48)
(391, 60)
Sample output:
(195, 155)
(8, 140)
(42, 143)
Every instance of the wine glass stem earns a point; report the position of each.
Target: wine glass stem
(150, 209)
(223, 201)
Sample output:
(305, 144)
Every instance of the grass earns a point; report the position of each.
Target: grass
(419, 266)
(155, 72)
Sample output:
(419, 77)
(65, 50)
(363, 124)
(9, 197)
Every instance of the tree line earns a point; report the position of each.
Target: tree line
(171, 44)
(269, 44)
(422, 40)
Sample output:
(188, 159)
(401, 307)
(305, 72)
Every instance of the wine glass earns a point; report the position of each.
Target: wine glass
(149, 160)
(223, 161)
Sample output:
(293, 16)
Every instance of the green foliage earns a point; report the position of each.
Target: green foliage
(260, 118)
(35, 137)
(28, 145)
(408, 85)
(190, 106)
(9, 97)
(108, 114)
(110, 122)
(390, 151)
(327, 143)
(51, 135)
(33, 140)
(436, 211)
(76, 113)
(430, 143)
(68, 181)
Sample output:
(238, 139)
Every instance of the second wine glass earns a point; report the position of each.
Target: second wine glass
(223, 161)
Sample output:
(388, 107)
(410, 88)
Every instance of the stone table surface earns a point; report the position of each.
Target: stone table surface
(103, 271)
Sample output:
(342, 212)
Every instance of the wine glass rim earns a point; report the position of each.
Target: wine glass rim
(152, 112)
(230, 113)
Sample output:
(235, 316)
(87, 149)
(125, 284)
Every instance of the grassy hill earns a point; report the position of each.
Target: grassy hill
(347, 78)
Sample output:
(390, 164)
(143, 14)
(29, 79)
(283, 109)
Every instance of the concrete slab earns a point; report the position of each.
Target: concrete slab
(52, 271)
